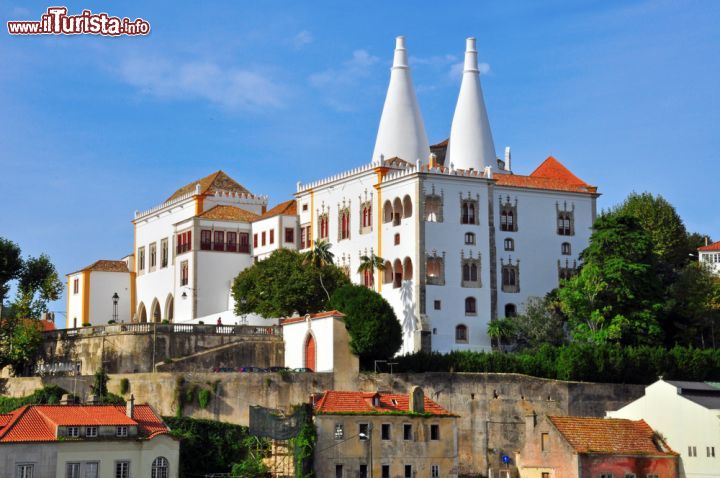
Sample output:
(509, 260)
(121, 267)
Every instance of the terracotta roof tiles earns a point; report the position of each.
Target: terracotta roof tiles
(104, 265)
(341, 402)
(715, 246)
(211, 183)
(229, 213)
(610, 436)
(287, 208)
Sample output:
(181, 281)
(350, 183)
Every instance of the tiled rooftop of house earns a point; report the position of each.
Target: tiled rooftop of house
(228, 213)
(334, 402)
(715, 246)
(105, 266)
(610, 436)
(211, 183)
(38, 423)
(318, 315)
(287, 208)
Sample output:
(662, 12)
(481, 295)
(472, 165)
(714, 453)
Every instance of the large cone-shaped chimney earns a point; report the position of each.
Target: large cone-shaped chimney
(401, 132)
(471, 144)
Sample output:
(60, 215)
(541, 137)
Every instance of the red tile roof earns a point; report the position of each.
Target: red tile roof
(287, 208)
(551, 174)
(38, 423)
(228, 213)
(340, 402)
(211, 183)
(319, 315)
(715, 246)
(104, 265)
(610, 436)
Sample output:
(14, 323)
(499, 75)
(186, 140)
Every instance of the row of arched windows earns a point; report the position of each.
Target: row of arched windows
(397, 272)
(397, 210)
(156, 315)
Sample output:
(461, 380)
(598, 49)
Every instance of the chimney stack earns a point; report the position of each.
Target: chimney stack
(67, 399)
(93, 400)
(508, 157)
(130, 406)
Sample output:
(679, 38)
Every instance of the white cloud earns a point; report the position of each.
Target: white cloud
(456, 69)
(231, 88)
(303, 38)
(351, 70)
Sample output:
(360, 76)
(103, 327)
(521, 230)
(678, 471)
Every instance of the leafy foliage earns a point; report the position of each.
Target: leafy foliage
(20, 341)
(541, 323)
(370, 320)
(207, 446)
(49, 394)
(11, 264)
(38, 285)
(283, 284)
(606, 362)
(304, 445)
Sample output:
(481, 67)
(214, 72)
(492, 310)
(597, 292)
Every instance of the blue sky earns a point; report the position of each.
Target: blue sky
(92, 129)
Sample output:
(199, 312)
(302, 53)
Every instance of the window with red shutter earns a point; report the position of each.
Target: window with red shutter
(205, 240)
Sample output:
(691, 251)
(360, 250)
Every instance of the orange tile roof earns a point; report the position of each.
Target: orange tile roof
(287, 208)
(340, 402)
(211, 183)
(105, 266)
(229, 213)
(38, 423)
(715, 246)
(610, 435)
(551, 175)
(318, 315)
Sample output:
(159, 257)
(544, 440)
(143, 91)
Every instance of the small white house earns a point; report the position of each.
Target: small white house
(710, 255)
(101, 292)
(319, 342)
(687, 414)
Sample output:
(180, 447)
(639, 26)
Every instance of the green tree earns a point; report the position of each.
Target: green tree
(371, 263)
(99, 386)
(500, 329)
(283, 284)
(541, 323)
(319, 257)
(617, 295)
(11, 265)
(38, 285)
(692, 297)
(20, 340)
(370, 320)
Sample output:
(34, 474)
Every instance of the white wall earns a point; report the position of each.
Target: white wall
(711, 260)
(683, 423)
(295, 336)
(103, 285)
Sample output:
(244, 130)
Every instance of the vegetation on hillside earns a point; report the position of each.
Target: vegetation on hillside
(49, 394)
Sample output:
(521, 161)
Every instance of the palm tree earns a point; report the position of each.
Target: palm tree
(320, 256)
(499, 329)
(370, 263)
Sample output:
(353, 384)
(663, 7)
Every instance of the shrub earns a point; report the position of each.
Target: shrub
(49, 394)
(124, 386)
(203, 398)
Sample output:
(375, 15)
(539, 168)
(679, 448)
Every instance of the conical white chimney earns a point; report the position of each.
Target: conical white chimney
(401, 132)
(471, 144)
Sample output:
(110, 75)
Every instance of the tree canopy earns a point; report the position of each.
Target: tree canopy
(285, 283)
(375, 332)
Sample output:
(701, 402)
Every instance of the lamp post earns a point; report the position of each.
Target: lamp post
(115, 299)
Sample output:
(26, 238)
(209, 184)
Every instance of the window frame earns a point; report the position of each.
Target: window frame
(73, 432)
(385, 431)
(464, 338)
(434, 431)
(122, 469)
(407, 432)
(366, 427)
(121, 431)
(75, 466)
(94, 433)
(339, 432)
(470, 238)
(24, 470)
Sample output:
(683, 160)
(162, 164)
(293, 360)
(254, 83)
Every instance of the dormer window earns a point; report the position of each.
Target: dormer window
(73, 432)
(121, 432)
(376, 401)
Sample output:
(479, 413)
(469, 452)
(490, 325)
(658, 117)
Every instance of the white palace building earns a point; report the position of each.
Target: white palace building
(464, 239)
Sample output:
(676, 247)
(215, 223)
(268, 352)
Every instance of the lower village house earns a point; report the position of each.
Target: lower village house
(382, 435)
(581, 447)
(88, 441)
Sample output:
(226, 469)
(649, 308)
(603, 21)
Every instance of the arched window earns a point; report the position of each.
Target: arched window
(397, 211)
(468, 212)
(323, 226)
(368, 277)
(507, 219)
(565, 249)
(510, 310)
(510, 279)
(159, 468)
(471, 272)
(407, 207)
(470, 306)
(435, 271)
(565, 223)
(156, 314)
(397, 273)
(407, 269)
(469, 238)
(509, 244)
(396, 239)
(141, 313)
(344, 220)
(433, 208)
(387, 212)
(366, 219)
(169, 308)
(461, 334)
(388, 273)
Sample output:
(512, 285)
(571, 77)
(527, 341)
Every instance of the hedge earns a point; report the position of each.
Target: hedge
(578, 362)
(49, 394)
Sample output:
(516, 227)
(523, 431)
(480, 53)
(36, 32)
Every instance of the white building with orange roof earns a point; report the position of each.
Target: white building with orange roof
(709, 254)
(465, 240)
(101, 291)
(90, 441)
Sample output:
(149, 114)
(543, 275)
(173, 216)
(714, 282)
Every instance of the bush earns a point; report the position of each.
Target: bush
(609, 363)
(49, 394)
(124, 386)
(203, 398)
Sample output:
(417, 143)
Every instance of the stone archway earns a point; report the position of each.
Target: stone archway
(170, 308)
(156, 313)
(141, 313)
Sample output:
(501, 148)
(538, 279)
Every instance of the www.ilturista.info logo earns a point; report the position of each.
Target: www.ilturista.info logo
(57, 22)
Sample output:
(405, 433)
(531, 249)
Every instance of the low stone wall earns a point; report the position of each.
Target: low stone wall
(134, 348)
(491, 407)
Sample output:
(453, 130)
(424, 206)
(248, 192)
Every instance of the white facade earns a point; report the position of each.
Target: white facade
(92, 290)
(687, 414)
(709, 255)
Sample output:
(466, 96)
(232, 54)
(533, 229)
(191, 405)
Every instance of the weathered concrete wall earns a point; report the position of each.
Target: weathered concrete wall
(491, 407)
(123, 349)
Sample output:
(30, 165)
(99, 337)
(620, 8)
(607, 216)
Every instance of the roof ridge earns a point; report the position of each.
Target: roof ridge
(17, 413)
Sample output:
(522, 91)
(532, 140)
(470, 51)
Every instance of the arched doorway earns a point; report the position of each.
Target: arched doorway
(156, 313)
(169, 308)
(310, 352)
(142, 313)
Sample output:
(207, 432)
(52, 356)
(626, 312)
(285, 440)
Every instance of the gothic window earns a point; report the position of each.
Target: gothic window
(509, 244)
(565, 220)
(566, 271)
(508, 215)
(153, 255)
(323, 226)
(470, 272)
(435, 270)
(365, 217)
(163, 253)
(407, 207)
(510, 310)
(344, 220)
(469, 212)
(461, 334)
(141, 259)
(304, 237)
(433, 208)
(470, 306)
(511, 277)
(387, 212)
(368, 278)
(469, 238)
(565, 249)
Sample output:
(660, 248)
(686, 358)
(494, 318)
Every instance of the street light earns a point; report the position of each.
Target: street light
(115, 299)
